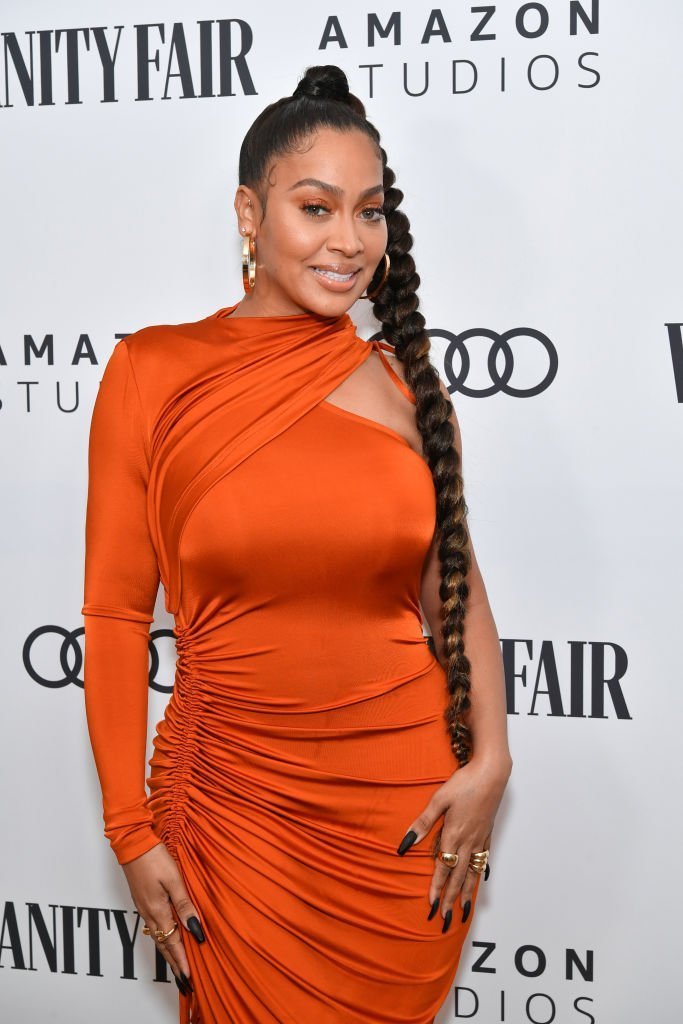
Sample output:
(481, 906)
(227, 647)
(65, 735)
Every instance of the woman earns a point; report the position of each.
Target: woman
(298, 493)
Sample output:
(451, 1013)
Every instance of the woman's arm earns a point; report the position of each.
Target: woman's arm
(487, 718)
(121, 581)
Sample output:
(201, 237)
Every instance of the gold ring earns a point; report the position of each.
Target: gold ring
(478, 861)
(449, 859)
(159, 934)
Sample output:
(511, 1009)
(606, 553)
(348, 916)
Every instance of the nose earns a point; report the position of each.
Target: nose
(344, 236)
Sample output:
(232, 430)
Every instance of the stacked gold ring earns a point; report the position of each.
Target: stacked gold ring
(159, 934)
(478, 860)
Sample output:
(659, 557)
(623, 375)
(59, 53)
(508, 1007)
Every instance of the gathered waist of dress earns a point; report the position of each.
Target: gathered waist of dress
(308, 673)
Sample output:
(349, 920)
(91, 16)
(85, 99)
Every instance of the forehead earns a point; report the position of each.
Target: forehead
(349, 159)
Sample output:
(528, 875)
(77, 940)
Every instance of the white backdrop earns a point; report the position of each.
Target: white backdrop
(544, 194)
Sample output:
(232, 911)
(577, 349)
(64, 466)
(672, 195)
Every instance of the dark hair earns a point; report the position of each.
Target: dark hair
(322, 99)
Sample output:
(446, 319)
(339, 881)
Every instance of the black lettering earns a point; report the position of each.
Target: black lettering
(543, 21)
(487, 951)
(477, 35)
(576, 11)
(332, 33)
(599, 682)
(228, 57)
(393, 25)
(436, 26)
(30, 348)
(547, 666)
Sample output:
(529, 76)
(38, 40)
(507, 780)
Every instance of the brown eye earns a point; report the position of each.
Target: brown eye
(310, 209)
(378, 210)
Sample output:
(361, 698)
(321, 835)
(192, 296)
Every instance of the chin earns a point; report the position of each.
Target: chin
(330, 305)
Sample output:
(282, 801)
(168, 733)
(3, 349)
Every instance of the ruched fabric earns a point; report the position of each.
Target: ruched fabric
(305, 730)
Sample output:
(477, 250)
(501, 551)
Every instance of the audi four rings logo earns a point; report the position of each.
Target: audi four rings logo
(70, 657)
(496, 346)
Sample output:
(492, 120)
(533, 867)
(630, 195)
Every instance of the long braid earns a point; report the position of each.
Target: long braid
(396, 308)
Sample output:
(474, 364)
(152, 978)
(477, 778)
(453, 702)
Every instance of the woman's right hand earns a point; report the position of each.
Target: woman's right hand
(158, 889)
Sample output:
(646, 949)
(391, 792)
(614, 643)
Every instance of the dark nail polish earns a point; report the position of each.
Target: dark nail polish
(487, 871)
(181, 986)
(408, 840)
(195, 928)
(435, 907)
(186, 981)
(447, 921)
(466, 910)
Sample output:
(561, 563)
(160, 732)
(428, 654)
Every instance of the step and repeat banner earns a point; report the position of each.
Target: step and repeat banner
(539, 150)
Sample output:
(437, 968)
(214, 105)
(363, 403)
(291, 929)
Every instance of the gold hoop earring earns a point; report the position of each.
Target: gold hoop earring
(248, 262)
(377, 290)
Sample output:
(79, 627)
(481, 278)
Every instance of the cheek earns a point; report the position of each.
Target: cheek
(296, 238)
(381, 240)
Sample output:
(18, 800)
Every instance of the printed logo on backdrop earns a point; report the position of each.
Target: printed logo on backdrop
(583, 679)
(215, 58)
(675, 332)
(53, 657)
(543, 1004)
(78, 939)
(528, 354)
(585, 682)
(438, 37)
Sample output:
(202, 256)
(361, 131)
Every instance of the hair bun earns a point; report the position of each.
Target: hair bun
(324, 82)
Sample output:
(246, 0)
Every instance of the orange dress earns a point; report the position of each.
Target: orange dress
(305, 729)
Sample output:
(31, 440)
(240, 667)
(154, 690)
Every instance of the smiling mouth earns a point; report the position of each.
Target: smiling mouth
(333, 275)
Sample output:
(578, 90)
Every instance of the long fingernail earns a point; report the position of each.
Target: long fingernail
(435, 907)
(447, 921)
(181, 985)
(466, 910)
(196, 929)
(487, 872)
(408, 840)
(186, 981)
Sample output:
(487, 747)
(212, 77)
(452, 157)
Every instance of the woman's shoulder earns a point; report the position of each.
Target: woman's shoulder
(162, 358)
(152, 340)
(159, 348)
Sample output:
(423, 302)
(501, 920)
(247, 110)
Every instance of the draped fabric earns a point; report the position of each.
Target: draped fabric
(305, 730)
(270, 373)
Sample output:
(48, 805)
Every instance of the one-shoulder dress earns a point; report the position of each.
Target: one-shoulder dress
(305, 729)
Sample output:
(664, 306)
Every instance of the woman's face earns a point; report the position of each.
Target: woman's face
(323, 223)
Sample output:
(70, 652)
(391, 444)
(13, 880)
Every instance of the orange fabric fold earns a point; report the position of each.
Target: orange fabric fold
(269, 371)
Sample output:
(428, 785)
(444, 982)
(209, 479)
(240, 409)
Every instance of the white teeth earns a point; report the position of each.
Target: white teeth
(333, 275)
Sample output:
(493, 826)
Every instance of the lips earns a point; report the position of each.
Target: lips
(336, 280)
(338, 268)
(336, 272)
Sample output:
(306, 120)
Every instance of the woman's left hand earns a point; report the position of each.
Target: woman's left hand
(469, 801)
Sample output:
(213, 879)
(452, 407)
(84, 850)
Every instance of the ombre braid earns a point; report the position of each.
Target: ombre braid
(396, 308)
(322, 99)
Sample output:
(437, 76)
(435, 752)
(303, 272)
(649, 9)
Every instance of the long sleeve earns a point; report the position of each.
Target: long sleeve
(121, 581)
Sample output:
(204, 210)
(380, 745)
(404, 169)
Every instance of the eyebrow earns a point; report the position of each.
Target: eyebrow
(335, 190)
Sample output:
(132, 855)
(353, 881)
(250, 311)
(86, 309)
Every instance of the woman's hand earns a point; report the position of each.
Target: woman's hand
(157, 888)
(469, 801)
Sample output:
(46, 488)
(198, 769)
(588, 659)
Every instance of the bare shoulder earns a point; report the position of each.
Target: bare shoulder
(394, 361)
(397, 365)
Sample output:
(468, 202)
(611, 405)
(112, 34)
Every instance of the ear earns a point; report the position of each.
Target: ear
(245, 208)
